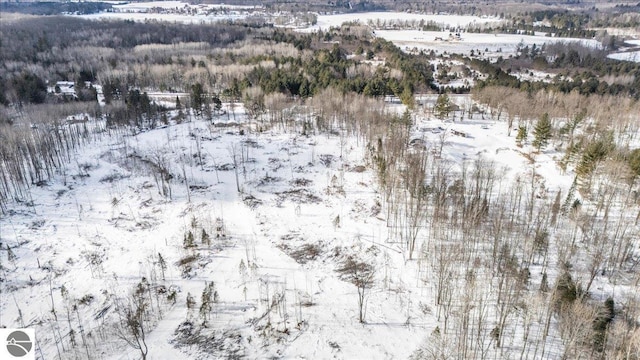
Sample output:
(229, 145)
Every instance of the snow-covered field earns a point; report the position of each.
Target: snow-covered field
(176, 11)
(146, 6)
(490, 45)
(493, 44)
(629, 53)
(327, 21)
(179, 18)
(626, 56)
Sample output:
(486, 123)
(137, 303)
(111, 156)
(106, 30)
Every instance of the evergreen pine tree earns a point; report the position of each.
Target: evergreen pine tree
(544, 283)
(522, 135)
(188, 240)
(163, 265)
(542, 132)
(217, 104)
(191, 302)
(198, 98)
(206, 240)
(570, 199)
(180, 115)
(407, 97)
(206, 301)
(443, 106)
(593, 153)
(11, 256)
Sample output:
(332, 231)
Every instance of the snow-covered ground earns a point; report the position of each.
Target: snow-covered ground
(490, 45)
(462, 21)
(179, 18)
(146, 6)
(631, 52)
(98, 228)
(98, 234)
(534, 75)
(626, 56)
(176, 11)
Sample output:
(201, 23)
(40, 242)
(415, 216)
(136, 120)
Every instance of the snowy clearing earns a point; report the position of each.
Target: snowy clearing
(179, 18)
(176, 11)
(633, 56)
(495, 44)
(146, 6)
(455, 21)
(306, 203)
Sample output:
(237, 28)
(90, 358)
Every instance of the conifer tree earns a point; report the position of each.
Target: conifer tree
(206, 240)
(209, 296)
(217, 104)
(407, 97)
(188, 240)
(191, 302)
(198, 98)
(542, 132)
(443, 106)
(163, 265)
(522, 135)
(11, 256)
(594, 152)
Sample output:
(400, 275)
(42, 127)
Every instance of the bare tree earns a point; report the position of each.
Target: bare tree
(132, 325)
(576, 329)
(361, 274)
(415, 202)
(234, 157)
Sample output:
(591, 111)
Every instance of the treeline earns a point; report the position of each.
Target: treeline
(29, 38)
(136, 111)
(332, 68)
(174, 56)
(620, 16)
(580, 68)
(36, 50)
(560, 23)
(529, 29)
(54, 8)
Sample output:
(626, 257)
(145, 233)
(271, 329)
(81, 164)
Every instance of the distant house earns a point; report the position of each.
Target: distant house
(67, 90)
(63, 88)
